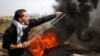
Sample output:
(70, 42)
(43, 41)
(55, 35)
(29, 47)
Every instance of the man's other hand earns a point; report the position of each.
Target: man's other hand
(26, 44)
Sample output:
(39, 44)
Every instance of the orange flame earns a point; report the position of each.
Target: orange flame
(46, 41)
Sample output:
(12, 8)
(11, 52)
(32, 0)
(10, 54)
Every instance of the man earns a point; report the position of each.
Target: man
(15, 37)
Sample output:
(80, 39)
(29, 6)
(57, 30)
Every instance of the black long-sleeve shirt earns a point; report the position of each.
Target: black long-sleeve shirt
(10, 35)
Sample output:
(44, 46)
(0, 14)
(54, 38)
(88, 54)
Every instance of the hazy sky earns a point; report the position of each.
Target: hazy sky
(8, 7)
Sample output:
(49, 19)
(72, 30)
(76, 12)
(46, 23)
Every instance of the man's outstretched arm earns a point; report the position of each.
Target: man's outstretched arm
(34, 22)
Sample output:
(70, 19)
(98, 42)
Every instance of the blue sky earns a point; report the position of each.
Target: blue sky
(8, 7)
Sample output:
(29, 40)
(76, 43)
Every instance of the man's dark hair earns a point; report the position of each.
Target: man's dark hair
(19, 14)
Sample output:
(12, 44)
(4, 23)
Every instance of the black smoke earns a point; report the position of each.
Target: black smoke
(77, 17)
(76, 21)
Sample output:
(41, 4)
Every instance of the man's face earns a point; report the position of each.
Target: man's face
(25, 17)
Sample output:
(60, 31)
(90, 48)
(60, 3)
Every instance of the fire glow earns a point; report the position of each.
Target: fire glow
(42, 43)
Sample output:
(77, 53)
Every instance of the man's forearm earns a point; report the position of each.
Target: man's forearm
(12, 46)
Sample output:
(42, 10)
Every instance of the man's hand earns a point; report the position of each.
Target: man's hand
(26, 44)
(58, 13)
(20, 45)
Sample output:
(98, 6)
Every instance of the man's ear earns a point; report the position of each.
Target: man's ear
(20, 20)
